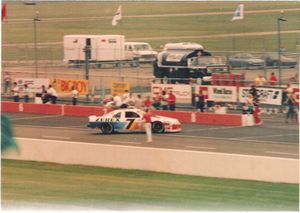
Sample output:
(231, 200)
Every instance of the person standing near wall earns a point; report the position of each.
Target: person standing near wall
(147, 103)
(7, 82)
(254, 92)
(200, 102)
(53, 94)
(148, 125)
(15, 91)
(273, 81)
(256, 114)
(157, 101)
(74, 95)
(171, 101)
(290, 101)
(260, 80)
(26, 93)
(164, 100)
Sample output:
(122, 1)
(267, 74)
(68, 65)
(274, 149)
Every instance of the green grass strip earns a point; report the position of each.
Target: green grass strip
(118, 189)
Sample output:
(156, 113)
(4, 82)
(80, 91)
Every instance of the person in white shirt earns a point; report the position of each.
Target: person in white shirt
(53, 94)
(74, 95)
(125, 99)
(117, 101)
(15, 91)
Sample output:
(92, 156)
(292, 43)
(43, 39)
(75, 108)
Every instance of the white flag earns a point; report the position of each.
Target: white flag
(117, 17)
(239, 13)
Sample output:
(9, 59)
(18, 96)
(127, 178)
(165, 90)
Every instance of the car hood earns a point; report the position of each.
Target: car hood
(146, 52)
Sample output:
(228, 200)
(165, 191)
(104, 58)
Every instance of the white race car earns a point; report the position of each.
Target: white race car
(130, 120)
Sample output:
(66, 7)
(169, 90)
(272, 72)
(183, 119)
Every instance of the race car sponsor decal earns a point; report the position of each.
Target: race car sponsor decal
(108, 119)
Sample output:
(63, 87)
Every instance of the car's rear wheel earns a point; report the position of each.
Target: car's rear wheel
(157, 127)
(107, 128)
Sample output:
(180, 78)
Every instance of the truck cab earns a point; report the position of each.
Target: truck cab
(141, 51)
(180, 65)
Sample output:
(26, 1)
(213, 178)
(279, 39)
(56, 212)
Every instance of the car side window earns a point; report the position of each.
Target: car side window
(118, 115)
(131, 115)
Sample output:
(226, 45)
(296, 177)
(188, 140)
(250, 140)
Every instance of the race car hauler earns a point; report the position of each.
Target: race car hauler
(182, 64)
(103, 48)
(183, 46)
(140, 50)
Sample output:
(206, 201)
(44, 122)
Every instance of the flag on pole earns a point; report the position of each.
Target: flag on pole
(3, 12)
(117, 18)
(239, 13)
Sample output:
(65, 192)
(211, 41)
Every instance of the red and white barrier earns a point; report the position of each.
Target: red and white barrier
(69, 110)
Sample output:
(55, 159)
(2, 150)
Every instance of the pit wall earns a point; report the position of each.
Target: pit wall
(221, 165)
(69, 110)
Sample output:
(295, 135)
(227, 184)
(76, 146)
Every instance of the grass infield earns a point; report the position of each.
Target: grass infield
(26, 183)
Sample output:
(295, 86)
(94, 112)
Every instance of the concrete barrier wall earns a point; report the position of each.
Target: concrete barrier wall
(69, 110)
(210, 164)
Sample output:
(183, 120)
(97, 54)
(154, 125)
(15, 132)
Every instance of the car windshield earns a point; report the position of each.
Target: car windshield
(141, 47)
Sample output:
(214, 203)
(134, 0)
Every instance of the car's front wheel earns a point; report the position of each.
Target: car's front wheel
(107, 128)
(157, 127)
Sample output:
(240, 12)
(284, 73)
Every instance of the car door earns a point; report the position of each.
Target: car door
(133, 120)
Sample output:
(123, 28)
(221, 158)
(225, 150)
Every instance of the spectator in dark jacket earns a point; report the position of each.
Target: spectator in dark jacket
(200, 102)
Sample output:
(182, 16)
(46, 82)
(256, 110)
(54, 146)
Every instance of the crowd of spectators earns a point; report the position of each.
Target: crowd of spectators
(163, 101)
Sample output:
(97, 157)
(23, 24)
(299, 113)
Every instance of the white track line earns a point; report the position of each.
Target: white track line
(267, 136)
(281, 153)
(56, 137)
(231, 139)
(36, 117)
(213, 128)
(55, 127)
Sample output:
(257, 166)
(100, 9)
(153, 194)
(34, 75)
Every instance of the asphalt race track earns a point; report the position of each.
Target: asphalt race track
(274, 138)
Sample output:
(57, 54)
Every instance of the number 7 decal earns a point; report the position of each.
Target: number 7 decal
(130, 123)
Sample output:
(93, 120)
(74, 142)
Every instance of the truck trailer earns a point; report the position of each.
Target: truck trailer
(102, 48)
(106, 49)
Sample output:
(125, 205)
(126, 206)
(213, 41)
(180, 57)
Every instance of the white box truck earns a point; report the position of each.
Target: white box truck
(104, 48)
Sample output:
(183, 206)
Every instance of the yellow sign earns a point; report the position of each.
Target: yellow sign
(65, 85)
(119, 87)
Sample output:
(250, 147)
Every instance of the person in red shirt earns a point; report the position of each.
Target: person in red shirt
(273, 79)
(171, 101)
(256, 114)
(147, 103)
(148, 125)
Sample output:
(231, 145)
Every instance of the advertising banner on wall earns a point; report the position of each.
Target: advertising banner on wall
(34, 84)
(65, 85)
(119, 87)
(222, 93)
(183, 92)
(270, 96)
